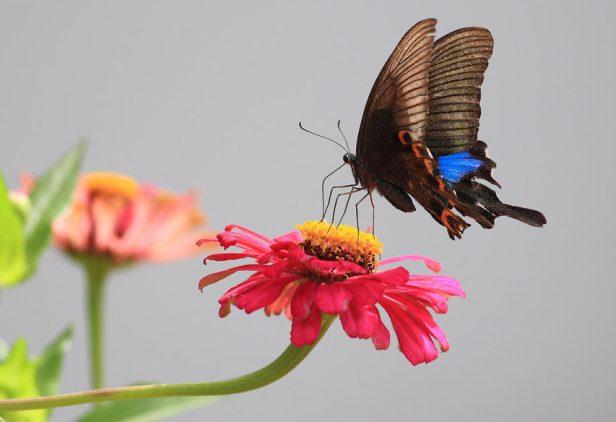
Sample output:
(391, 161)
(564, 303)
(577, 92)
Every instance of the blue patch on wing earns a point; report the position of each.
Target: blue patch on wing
(454, 167)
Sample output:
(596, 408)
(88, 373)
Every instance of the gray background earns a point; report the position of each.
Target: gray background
(206, 95)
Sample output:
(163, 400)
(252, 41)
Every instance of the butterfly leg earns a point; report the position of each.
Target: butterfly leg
(346, 205)
(368, 194)
(336, 204)
(372, 203)
(329, 199)
(330, 192)
(348, 195)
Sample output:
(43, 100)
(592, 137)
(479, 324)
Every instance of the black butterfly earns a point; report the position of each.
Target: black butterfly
(418, 135)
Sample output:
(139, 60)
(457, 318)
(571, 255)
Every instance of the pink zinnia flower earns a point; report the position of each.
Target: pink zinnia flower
(112, 215)
(322, 269)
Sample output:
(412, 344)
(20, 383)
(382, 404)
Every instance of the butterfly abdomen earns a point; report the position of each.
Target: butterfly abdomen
(396, 196)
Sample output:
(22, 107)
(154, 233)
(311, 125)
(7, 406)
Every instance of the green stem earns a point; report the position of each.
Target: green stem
(287, 361)
(96, 271)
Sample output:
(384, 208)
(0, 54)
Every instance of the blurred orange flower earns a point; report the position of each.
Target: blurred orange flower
(115, 216)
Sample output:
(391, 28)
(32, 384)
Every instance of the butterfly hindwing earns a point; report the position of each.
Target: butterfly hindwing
(457, 67)
(459, 61)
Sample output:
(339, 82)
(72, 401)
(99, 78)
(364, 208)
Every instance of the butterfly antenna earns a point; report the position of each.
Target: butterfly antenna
(344, 137)
(321, 136)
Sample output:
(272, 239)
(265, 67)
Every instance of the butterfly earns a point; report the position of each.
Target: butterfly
(418, 134)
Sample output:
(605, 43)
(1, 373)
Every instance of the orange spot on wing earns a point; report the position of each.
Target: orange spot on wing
(452, 222)
(404, 137)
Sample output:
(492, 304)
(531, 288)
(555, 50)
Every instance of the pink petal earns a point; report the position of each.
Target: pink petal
(394, 277)
(413, 338)
(275, 270)
(26, 183)
(226, 256)
(290, 252)
(248, 243)
(381, 337)
(264, 258)
(214, 277)
(446, 285)
(205, 240)
(332, 298)
(285, 250)
(366, 290)
(332, 268)
(173, 220)
(282, 302)
(433, 299)
(243, 238)
(181, 246)
(139, 236)
(125, 219)
(248, 232)
(293, 237)
(242, 287)
(423, 317)
(225, 309)
(360, 321)
(302, 300)
(260, 295)
(306, 331)
(430, 263)
(72, 230)
(105, 212)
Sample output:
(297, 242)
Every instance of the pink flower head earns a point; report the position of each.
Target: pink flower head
(112, 215)
(322, 269)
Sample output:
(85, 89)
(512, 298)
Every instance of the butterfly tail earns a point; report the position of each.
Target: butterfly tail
(475, 195)
(461, 171)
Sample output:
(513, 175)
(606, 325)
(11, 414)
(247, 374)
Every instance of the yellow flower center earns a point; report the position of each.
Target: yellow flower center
(331, 243)
(110, 183)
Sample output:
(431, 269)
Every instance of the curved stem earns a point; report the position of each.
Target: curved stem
(96, 271)
(287, 361)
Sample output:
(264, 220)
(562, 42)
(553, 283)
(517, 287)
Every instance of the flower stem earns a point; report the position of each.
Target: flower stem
(96, 274)
(287, 361)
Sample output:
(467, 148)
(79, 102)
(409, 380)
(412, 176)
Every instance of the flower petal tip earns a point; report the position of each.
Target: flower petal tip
(203, 241)
(434, 266)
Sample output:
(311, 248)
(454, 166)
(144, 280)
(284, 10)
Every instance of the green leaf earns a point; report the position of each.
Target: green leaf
(50, 363)
(145, 410)
(51, 193)
(12, 247)
(18, 380)
(21, 376)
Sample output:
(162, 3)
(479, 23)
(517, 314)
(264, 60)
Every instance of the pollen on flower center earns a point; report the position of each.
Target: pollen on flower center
(328, 242)
(111, 183)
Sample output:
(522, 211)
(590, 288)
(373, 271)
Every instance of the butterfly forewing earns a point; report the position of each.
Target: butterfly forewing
(402, 85)
(390, 148)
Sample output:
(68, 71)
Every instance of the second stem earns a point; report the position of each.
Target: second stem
(96, 272)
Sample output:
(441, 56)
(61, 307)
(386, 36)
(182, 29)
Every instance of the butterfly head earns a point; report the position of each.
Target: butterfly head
(349, 158)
